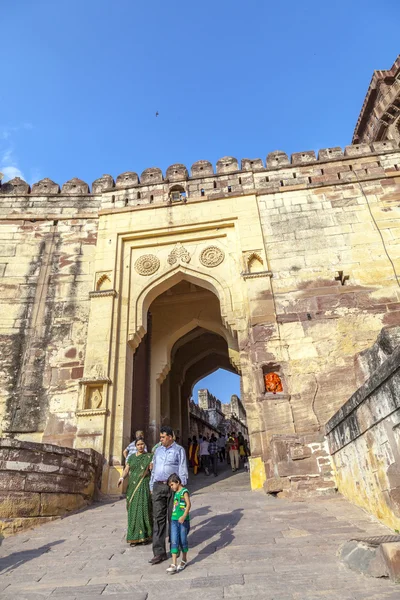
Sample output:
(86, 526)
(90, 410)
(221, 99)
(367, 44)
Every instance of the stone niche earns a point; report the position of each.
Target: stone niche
(42, 482)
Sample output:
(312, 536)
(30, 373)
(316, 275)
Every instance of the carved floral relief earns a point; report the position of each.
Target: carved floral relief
(212, 256)
(147, 264)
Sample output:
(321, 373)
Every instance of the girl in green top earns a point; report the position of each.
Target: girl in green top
(180, 523)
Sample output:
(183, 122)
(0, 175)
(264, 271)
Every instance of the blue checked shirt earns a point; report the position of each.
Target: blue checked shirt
(167, 461)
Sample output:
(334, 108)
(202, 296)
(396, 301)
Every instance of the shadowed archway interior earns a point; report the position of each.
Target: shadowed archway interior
(185, 341)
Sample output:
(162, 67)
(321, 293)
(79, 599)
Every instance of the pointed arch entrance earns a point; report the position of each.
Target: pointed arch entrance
(185, 340)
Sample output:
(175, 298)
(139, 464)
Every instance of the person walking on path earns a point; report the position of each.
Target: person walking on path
(138, 500)
(213, 451)
(131, 448)
(180, 523)
(233, 445)
(204, 455)
(194, 455)
(221, 447)
(169, 458)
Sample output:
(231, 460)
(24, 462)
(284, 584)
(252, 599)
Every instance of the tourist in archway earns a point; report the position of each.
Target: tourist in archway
(138, 500)
(221, 447)
(233, 445)
(169, 458)
(194, 455)
(213, 452)
(204, 455)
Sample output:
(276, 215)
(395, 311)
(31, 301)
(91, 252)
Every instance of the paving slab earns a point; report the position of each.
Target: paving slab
(243, 545)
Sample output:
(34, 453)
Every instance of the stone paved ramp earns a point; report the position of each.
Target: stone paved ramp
(244, 545)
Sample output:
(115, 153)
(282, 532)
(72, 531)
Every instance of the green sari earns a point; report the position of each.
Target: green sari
(138, 500)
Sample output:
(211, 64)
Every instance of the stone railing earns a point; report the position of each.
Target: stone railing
(364, 435)
(40, 482)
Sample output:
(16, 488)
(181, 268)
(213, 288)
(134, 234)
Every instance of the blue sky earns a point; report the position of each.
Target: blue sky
(82, 80)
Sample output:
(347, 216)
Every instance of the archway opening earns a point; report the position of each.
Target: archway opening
(185, 341)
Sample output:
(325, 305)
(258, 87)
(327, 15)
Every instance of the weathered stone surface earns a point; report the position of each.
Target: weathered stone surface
(19, 504)
(362, 435)
(363, 558)
(32, 486)
(391, 556)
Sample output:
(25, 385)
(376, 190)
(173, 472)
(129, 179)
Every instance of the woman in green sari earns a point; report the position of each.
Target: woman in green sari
(138, 500)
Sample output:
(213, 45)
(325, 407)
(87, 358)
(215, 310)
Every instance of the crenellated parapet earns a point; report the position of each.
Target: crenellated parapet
(279, 172)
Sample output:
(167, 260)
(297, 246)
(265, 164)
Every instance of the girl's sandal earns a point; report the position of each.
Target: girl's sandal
(181, 566)
(172, 569)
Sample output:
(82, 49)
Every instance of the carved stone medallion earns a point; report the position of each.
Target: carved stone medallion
(212, 256)
(147, 264)
(179, 254)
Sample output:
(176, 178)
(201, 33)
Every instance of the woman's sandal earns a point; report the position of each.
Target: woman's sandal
(172, 569)
(182, 565)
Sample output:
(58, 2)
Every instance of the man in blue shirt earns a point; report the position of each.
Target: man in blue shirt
(169, 458)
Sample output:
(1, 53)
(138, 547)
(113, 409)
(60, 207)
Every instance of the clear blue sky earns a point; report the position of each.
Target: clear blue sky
(83, 79)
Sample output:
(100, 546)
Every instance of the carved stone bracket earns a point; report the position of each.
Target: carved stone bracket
(103, 293)
(257, 274)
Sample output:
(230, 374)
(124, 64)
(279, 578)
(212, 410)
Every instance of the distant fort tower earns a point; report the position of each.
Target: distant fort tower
(117, 299)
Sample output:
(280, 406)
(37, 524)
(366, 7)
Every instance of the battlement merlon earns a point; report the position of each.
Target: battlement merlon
(303, 170)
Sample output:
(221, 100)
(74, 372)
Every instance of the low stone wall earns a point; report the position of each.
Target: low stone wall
(299, 466)
(40, 482)
(364, 435)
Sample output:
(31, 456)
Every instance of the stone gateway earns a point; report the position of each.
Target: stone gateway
(116, 300)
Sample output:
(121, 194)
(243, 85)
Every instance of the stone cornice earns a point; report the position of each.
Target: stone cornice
(103, 293)
(88, 380)
(90, 412)
(257, 274)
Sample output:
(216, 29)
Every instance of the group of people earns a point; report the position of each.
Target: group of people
(207, 452)
(157, 498)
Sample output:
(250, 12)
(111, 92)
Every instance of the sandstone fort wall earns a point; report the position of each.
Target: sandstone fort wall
(321, 283)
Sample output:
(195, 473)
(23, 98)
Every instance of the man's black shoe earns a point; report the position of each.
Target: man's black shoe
(156, 560)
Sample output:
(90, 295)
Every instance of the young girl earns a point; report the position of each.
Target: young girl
(180, 523)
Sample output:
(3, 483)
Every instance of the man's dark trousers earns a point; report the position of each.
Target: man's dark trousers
(162, 510)
(214, 461)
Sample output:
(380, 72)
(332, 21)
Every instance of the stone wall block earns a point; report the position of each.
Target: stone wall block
(177, 172)
(61, 504)
(227, 164)
(126, 179)
(202, 167)
(45, 187)
(252, 164)
(151, 176)
(277, 159)
(19, 504)
(299, 158)
(384, 146)
(15, 187)
(330, 153)
(39, 482)
(75, 186)
(357, 150)
(12, 481)
(102, 183)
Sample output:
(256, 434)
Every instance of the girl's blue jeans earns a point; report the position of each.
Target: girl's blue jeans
(179, 536)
